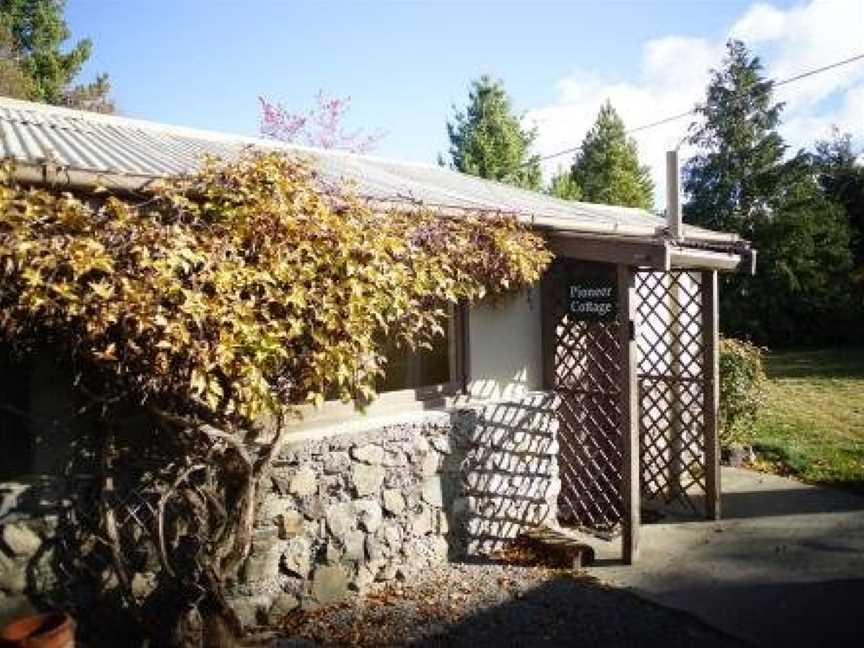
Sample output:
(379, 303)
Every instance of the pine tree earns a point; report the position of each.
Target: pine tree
(13, 81)
(488, 140)
(607, 170)
(564, 186)
(841, 176)
(739, 182)
(739, 148)
(801, 293)
(38, 31)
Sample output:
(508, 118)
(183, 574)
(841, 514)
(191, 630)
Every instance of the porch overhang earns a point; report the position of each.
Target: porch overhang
(656, 252)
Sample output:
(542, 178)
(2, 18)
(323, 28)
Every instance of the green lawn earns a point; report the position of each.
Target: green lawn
(813, 423)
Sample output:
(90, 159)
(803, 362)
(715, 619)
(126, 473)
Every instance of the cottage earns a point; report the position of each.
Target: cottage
(568, 403)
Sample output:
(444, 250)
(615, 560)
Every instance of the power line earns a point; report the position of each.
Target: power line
(825, 68)
(666, 120)
(661, 121)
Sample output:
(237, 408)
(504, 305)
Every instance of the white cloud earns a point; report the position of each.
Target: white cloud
(803, 38)
(673, 74)
(761, 22)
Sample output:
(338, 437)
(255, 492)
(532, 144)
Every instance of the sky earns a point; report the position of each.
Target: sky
(204, 63)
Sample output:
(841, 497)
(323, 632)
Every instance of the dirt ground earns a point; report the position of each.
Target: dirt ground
(477, 605)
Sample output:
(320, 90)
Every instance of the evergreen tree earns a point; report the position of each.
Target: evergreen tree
(841, 176)
(488, 140)
(738, 182)
(607, 170)
(739, 148)
(564, 186)
(38, 31)
(801, 293)
(92, 96)
(13, 81)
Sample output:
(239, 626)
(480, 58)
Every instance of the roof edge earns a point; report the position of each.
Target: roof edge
(249, 140)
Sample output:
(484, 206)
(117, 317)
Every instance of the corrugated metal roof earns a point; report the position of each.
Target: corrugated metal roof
(88, 142)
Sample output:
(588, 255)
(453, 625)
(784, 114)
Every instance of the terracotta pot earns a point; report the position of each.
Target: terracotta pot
(51, 630)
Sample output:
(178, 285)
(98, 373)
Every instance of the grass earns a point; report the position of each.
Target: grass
(813, 423)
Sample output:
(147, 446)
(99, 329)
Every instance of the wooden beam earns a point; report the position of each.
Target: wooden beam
(655, 254)
(630, 480)
(609, 249)
(711, 342)
(460, 349)
(704, 259)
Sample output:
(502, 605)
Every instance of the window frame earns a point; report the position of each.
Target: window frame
(409, 399)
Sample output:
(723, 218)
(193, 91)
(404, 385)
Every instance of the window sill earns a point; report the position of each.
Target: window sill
(332, 421)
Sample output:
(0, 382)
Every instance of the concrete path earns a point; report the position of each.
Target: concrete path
(785, 566)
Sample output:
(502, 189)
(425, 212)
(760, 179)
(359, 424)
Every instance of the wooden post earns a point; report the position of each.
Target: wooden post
(710, 342)
(673, 196)
(549, 323)
(673, 332)
(630, 477)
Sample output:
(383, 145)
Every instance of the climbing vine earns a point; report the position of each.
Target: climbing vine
(225, 298)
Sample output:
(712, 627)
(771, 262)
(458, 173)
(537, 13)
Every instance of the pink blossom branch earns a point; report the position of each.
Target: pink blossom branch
(320, 126)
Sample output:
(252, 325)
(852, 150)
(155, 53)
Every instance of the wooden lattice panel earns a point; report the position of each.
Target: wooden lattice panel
(672, 386)
(586, 362)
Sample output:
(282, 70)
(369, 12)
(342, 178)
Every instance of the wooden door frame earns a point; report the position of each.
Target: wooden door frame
(630, 468)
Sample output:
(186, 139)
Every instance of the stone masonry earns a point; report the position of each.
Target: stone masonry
(344, 510)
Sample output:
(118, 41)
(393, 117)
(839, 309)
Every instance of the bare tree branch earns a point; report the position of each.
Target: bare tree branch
(160, 516)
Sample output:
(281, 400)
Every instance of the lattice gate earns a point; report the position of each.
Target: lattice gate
(674, 381)
(676, 365)
(585, 373)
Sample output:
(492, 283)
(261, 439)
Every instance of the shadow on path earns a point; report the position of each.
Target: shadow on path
(784, 567)
(826, 613)
(791, 501)
(571, 612)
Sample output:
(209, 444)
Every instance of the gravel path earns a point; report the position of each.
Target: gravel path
(496, 605)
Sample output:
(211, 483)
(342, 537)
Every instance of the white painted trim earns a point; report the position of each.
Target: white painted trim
(704, 259)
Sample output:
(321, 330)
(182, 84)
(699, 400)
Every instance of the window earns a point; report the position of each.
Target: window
(407, 369)
(426, 373)
(418, 379)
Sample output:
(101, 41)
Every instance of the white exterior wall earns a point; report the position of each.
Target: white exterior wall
(505, 346)
(658, 325)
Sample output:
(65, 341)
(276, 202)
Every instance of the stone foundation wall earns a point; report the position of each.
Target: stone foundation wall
(30, 512)
(348, 509)
(509, 478)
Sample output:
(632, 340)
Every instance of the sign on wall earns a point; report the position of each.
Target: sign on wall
(593, 300)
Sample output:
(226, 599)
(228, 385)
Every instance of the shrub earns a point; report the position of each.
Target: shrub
(220, 298)
(742, 389)
(244, 288)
